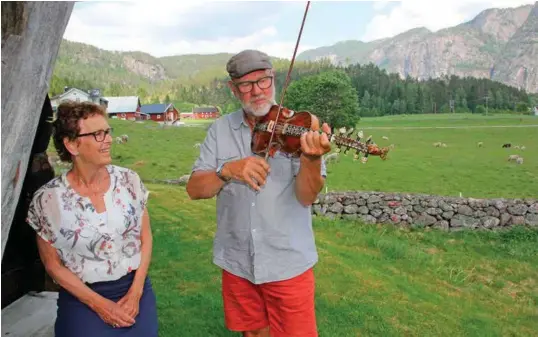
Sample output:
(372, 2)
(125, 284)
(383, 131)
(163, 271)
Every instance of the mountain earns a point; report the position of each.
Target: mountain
(499, 44)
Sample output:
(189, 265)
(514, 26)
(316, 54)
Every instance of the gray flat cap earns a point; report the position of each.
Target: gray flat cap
(247, 61)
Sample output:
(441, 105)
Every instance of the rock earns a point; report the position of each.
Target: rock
(336, 208)
(480, 214)
(426, 220)
(434, 203)
(445, 207)
(533, 208)
(448, 215)
(433, 211)
(383, 218)
(499, 204)
(376, 212)
(363, 210)
(531, 219)
(517, 220)
(331, 216)
(350, 209)
(400, 210)
(518, 209)
(360, 202)
(465, 210)
(443, 224)
(492, 211)
(490, 222)
(419, 208)
(374, 199)
(505, 219)
(330, 199)
(395, 218)
(317, 209)
(460, 220)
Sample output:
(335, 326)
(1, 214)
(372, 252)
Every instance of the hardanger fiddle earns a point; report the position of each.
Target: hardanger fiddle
(282, 130)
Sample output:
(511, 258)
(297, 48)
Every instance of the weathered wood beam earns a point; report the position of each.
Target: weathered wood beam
(31, 36)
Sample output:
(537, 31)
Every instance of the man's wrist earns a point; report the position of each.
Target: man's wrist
(223, 173)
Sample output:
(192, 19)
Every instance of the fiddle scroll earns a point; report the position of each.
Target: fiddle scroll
(282, 132)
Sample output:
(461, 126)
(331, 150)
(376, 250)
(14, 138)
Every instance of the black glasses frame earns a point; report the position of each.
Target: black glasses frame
(96, 133)
(241, 85)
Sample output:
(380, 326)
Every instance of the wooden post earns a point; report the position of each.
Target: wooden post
(31, 36)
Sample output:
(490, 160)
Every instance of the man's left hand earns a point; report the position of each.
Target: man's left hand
(314, 144)
(130, 303)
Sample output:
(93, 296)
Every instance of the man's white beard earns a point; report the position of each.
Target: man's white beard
(261, 110)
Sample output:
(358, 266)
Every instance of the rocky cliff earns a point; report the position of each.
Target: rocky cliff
(499, 44)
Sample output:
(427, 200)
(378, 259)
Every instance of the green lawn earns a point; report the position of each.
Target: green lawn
(372, 280)
(414, 165)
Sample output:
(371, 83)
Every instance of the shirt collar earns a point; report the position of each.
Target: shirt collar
(238, 118)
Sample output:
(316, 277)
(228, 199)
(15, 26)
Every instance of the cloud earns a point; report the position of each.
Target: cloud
(433, 15)
(181, 28)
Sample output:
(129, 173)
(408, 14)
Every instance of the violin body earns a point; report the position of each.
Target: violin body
(287, 131)
(282, 132)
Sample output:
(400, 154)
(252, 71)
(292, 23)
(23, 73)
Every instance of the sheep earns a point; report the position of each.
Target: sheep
(125, 138)
(507, 145)
(197, 145)
(438, 144)
(385, 138)
(480, 144)
(516, 147)
(443, 145)
(513, 157)
(119, 140)
(333, 157)
(523, 148)
(519, 160)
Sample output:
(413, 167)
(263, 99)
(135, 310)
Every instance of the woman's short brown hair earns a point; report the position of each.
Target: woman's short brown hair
(67, 120)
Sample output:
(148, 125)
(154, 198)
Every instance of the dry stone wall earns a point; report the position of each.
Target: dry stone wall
(422, 210)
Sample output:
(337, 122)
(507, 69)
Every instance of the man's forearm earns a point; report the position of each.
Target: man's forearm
(309, 181)
(204, 185)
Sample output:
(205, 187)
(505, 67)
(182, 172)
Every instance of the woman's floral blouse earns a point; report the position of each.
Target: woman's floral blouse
(96, 247)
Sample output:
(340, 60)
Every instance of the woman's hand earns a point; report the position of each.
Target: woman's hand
(130, 303)
(114, 314)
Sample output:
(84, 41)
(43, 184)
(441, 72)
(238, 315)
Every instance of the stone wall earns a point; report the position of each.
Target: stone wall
(421, 210)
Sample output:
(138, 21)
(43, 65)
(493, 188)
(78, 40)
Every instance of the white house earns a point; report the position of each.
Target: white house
(77, 95)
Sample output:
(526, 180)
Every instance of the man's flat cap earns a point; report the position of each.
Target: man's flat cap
(247, 61)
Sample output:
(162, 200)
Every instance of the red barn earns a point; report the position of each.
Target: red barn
(160, 112)
(211, 112)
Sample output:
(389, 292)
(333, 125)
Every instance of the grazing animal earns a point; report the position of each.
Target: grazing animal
(197, 145)
(125, 138)
(119, 140)
(507, 145)
(438, 144)
(443, 145)
(480, 144)
(513, 157)
(516, 147)
(385, 138)
(523, 148)
(519, 160)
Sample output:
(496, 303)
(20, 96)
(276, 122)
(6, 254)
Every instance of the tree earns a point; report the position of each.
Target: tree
(329, 95)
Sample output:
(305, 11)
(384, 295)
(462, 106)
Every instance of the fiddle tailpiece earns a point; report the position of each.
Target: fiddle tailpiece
(343, 138)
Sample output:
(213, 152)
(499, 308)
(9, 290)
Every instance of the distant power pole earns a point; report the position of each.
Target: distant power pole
(451, 102)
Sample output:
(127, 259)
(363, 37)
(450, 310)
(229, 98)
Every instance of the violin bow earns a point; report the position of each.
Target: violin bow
(287, 79)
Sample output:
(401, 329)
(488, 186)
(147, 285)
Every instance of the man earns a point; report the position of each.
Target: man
(264, 241)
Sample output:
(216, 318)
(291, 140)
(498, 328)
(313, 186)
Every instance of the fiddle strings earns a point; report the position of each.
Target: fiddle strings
(288, 77)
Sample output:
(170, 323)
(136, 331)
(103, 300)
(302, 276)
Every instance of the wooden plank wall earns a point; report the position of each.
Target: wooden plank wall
(31, 36)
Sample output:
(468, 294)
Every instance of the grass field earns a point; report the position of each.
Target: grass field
(413, 166)
(372, 280)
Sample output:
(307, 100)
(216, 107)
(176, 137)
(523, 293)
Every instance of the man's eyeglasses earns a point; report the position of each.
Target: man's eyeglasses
(99, 135)
(262, 83)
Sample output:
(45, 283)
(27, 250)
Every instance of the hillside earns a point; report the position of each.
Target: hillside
(483, 47)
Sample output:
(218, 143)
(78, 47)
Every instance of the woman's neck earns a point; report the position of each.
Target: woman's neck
(88, 176)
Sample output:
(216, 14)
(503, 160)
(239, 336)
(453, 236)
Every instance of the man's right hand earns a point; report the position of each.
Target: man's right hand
(113, 314)
(252, 170)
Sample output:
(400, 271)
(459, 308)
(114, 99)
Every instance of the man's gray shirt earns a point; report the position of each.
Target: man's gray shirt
(261, 236)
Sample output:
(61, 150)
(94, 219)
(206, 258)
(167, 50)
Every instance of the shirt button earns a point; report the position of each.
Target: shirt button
(253, 204)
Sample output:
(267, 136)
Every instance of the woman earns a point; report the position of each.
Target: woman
(93, 233)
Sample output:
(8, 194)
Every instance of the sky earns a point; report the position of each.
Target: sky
(170, 28)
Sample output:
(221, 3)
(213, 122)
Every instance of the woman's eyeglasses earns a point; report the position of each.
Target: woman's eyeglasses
(99, 135)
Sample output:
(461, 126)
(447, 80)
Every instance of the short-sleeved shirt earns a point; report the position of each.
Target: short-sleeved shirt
(94, 246)
(261, 236)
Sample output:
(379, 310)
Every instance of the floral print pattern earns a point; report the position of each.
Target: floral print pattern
(92, 249)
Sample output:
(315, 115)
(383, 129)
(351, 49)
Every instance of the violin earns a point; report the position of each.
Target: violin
(282, 130)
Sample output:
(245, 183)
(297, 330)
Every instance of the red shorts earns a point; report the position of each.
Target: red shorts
(286, 306)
